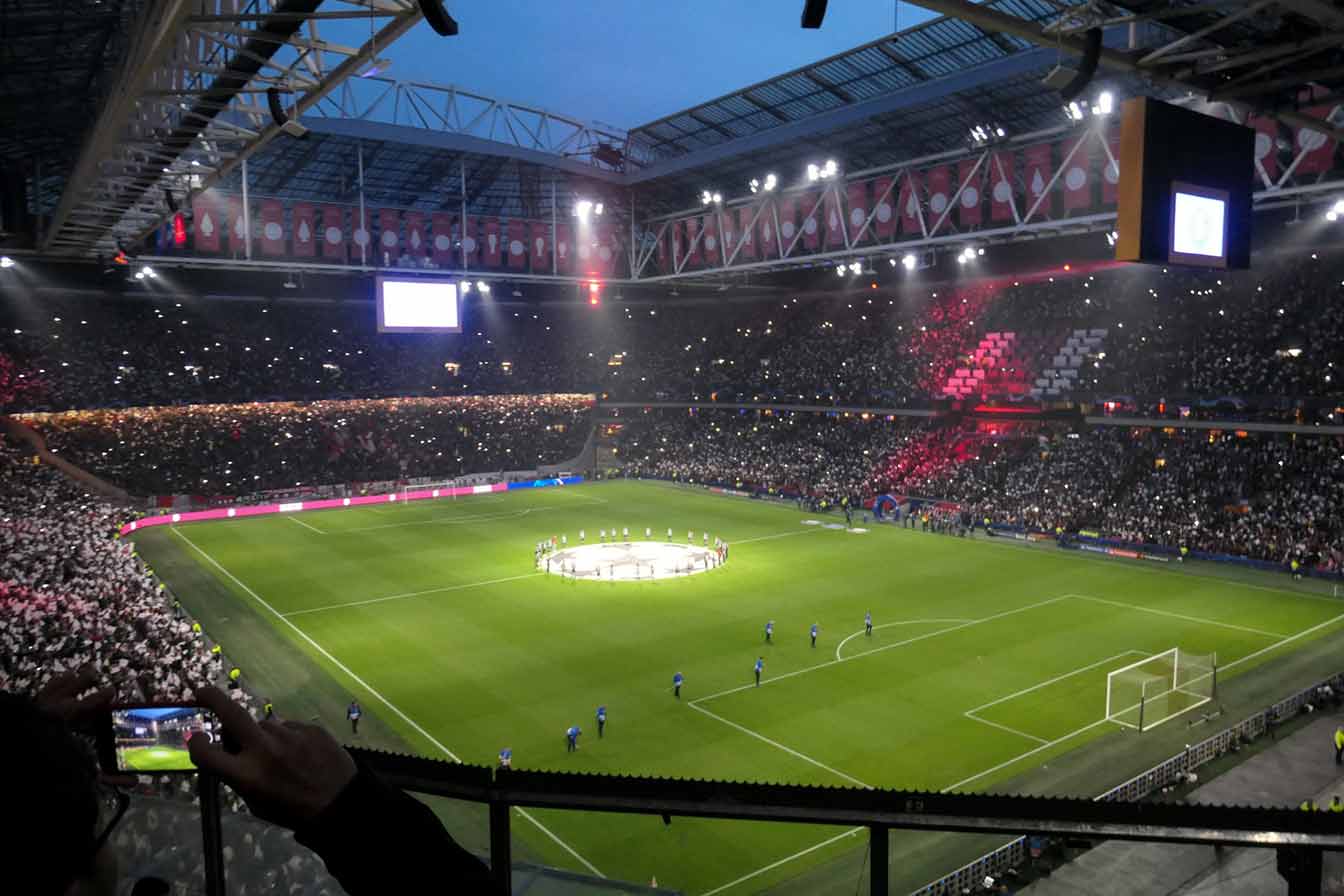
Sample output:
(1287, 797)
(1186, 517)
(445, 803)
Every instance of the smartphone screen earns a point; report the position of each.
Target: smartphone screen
(152, 739)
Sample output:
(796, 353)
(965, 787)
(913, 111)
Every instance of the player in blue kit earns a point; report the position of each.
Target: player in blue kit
(814, 634)
(769, 631)
(677, 679)
(760, 664)
(601, 720)
(506, 758)
(572, 738)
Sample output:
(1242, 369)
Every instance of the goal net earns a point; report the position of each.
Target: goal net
(1145, 694)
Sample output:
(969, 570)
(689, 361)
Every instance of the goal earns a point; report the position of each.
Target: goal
(429, 488)
(1145, 694)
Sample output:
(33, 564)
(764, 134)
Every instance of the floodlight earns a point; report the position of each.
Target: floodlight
(482, 286)
(583, 208)
(6, 261)
(1073, 111)
(755, 185)
(909, 261)
(1105, 103)
(466, 287)
(961, 259)
(718, 198)
(771, 182)
(148, 271)
(1332, 215)
(840, 270)
(855, 267)
(813, 172)
(1000, 132)
(597, 209)
(139, 275)
(1339, 206)
(979, 251)
(830, 168)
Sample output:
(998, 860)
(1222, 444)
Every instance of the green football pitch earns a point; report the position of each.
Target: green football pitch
(987, 662)
(154, 759)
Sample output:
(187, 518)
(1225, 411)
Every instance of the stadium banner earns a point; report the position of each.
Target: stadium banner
(969, 213)
(515, 246)
(788, 224)
(811, 221)
(713, 248)
(333, 231)
(564, 248)
(441, 245)
(1266, 149)
(1078, 175)
(693, 241)
(304, 221)
(538, 239)
(938, 181)
(219, 513)
(746, 233)
(1001, 191)
(272, 216)
(835, 230)
(492, 244)
(237, 225)
(884, 216)
(206, 215)
(389, 235)
(415, 236)
(909, 205)
(1036, 174)
(856, 197)
(767, 232)
(470, 241)
(1316, 149)
(730, 232)
(1110, 171)
(362, 236)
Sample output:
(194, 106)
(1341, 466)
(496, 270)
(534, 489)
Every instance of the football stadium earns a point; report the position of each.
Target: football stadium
(910, 462)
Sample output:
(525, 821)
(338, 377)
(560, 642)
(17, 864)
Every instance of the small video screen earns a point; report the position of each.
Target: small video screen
(155, 738)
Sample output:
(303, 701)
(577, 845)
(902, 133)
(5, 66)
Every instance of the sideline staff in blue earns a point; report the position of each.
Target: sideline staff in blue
(814, 634)
(601, 720)
(769, 631)
(677, 679)
(760, 664)
(572, 738)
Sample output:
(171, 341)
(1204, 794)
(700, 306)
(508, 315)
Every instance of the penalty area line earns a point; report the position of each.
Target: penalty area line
(784, 861)
(848, 638)
(294, 519)
(779, 746)
(367, 687)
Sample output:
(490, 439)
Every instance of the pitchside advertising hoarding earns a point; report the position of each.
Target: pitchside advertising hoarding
(220, 513)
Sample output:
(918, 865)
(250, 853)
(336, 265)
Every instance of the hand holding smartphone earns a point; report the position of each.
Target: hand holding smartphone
(154, 738)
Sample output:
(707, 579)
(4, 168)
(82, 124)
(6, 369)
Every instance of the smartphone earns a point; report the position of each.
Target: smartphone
(152, 738)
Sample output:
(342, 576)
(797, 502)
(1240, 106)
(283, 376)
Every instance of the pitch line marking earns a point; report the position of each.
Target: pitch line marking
(1034, 751)
(925, 636)
(410, 594)
(294, 519)
(849, 638)
(1039, 740)
(364, 684)
(779, 746)
(1142, 609)
(1050, 681)
(784, 861)
(788, 534)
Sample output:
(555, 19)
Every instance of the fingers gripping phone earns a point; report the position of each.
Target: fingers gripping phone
(153, 738)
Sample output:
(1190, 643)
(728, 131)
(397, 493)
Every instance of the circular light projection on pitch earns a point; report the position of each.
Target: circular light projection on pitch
(638, 561)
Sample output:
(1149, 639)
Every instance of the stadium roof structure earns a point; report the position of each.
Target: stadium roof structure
(902, 99)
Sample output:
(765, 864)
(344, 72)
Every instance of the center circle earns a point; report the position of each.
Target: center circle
(630, 561)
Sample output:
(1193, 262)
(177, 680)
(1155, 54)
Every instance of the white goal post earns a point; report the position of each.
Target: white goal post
(445, 487)
(1145, 694)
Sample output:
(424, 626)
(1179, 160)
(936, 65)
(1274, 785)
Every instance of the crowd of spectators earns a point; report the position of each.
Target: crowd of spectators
(1265, 335)
(1263, 496)
(215, 450)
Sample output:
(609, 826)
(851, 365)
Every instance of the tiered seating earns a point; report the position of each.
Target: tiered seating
(1064, 373)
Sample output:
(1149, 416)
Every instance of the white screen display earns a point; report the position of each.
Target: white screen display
(418, 306)
(1198, 225)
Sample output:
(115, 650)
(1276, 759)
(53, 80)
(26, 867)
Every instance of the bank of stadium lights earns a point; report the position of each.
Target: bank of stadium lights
(1335, 213)
(1105, 105)
(908, 261)
(982, 134)
(710, 198)
(6, 262)
(970, 253)
(586, 208)
(767, 185)
(824, 171)
(1111, 238)
(144, 272)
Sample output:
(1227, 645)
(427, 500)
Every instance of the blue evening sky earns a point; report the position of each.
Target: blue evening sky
(626, 62)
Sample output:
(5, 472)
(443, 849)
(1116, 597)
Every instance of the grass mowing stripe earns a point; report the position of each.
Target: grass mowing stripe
(1202, 621)
(779, 746)
(410, 594)
(917, 638)
(784, 861)
(364, 684)
(294, 519)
